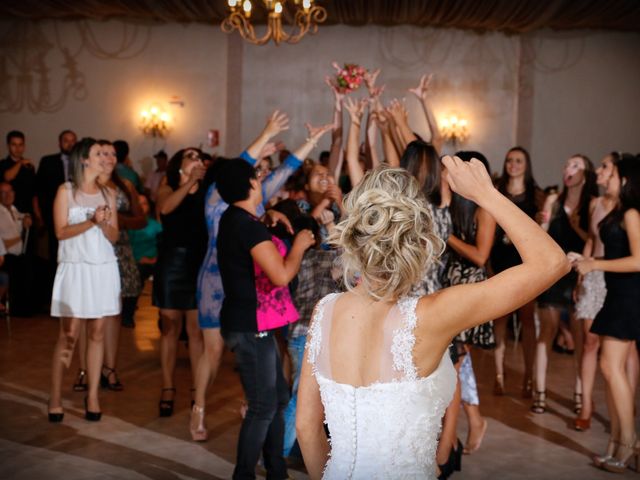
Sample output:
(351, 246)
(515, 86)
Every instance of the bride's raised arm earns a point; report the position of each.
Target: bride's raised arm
(543, 261)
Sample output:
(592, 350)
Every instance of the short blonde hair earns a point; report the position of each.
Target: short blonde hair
(387, 234)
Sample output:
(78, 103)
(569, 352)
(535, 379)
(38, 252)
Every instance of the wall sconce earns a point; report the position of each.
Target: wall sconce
(454, 128)
(154, 122)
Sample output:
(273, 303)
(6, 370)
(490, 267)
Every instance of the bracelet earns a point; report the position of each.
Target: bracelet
(312, 141)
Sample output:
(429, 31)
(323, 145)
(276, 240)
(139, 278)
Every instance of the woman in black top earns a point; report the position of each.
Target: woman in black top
(181, 251)
(566, 218)
(519, 186)
(618, 322)
(243, 244)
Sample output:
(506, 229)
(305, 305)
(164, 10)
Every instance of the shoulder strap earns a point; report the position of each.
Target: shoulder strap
(314, 341)
(404, 339)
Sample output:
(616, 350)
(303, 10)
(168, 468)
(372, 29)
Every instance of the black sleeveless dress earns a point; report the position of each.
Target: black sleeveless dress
(180, 254)
(560, 294)
(620, 314)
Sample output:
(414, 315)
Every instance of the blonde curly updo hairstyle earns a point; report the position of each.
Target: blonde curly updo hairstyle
(386, 236)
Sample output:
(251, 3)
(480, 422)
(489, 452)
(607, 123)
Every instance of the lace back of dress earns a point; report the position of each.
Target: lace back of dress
(394, 354)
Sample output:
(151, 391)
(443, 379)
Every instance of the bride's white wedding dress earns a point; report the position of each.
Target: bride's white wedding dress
(388, 429)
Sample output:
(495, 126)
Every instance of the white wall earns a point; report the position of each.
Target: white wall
(475, 75)
(556, 93)
(185, 61)
(586, 98)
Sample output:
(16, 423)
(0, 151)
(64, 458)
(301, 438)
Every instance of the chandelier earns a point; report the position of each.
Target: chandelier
(307, 17)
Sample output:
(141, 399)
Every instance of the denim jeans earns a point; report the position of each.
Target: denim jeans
(296, 352)
(468, 387)
(267, 395)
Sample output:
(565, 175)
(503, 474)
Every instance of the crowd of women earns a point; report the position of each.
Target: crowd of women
(245, 253)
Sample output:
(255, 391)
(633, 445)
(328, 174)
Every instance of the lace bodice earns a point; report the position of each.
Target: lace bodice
(389, 428)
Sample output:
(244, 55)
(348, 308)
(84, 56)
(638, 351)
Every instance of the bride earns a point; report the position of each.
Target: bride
(377, 368)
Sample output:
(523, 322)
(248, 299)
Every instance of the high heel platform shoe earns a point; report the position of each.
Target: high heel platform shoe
(81, 381)
(620, 465)
(91, 416)
(498, 385)
(611, 448)
(166, 406)
(196, 424)
(104, 379)
(539, 402)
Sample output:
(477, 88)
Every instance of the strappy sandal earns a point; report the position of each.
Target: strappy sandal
(539, 402)
(104, 379)
(577, 402)
(81, 381)
(166, 406)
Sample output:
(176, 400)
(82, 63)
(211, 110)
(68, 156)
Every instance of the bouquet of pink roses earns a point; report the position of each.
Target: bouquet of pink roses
(349, 77)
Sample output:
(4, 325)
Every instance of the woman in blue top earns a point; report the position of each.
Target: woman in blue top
(210, 292)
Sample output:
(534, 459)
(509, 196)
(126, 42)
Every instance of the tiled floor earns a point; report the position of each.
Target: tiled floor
(132, 442)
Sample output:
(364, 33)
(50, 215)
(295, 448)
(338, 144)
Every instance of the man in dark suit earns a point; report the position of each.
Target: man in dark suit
(53, 171)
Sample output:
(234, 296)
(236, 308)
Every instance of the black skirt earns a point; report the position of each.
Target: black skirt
(560, 294)
(175, 278)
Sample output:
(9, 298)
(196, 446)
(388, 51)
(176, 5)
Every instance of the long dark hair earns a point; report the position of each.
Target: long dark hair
(530, 184)
(463, 211)
(115, 178)
(174, 166)
(628, 167)
(589, 190)
(420, 157)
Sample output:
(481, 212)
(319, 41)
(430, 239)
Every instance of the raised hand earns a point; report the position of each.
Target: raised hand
(276, 123)
(269, 149)
(355, 109)
(338, 96)
(315, 133)
(273, 217)
(397, 111)
(370, 80)
(197, 173)
(423, 87)
(469, 179)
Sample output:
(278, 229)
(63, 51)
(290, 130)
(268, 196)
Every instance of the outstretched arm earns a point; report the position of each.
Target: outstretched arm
(400, 117)
(335, 151)
(543, 261)
(354, 168)
(276, 123)
(421, 92)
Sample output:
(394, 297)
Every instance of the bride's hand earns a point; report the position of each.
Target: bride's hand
(469, 179)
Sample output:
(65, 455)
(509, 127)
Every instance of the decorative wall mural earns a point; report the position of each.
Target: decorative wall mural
(31, 51)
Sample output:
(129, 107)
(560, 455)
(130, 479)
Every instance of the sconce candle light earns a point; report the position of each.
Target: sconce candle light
(454, 128)
(154, 122)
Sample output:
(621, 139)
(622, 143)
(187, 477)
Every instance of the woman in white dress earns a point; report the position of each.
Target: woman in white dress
(87, 282)
(377, 366)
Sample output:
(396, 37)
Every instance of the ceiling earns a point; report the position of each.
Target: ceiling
(511, 16)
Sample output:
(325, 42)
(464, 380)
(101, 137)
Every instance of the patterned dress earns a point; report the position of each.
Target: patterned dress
(131, 286)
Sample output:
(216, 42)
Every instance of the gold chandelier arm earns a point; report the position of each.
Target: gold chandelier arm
(305, 21)
(237, 21)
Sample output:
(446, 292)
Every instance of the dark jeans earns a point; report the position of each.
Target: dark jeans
(267, 395)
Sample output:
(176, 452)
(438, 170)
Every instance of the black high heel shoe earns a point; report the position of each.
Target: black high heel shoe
(104, 379)
(91, 416)
(166, 406)
(55, 417)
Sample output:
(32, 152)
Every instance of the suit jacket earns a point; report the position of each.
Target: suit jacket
(50, 176)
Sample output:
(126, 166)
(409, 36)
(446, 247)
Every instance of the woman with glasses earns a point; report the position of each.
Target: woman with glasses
(181, 251)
